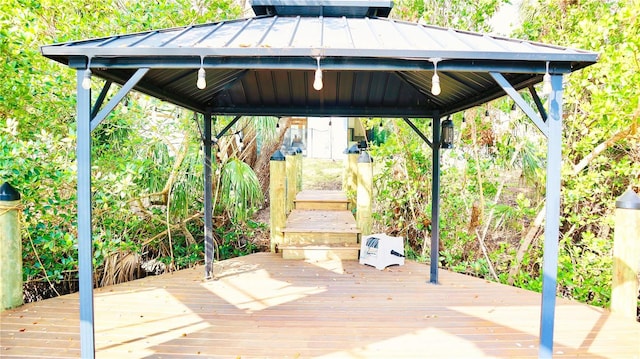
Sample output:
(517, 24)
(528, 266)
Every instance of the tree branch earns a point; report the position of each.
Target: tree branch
(535, 227)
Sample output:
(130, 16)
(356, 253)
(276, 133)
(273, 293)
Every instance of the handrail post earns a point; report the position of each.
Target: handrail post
(292, 179)
(626, 254)
(299, 169)
(364, 198)
(11, 248)
(277, 184)
(350, 180)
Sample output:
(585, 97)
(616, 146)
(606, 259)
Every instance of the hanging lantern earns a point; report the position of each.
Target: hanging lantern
(446, 134)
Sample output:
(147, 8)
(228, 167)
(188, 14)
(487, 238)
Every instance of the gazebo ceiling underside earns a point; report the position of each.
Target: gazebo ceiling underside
(372, 67)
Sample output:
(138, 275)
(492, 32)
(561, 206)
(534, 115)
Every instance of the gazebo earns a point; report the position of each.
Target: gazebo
(320, 58)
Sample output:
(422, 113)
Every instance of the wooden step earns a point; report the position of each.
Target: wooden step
(321, 200)
(320, 235)
(321, 252)
(325, 226)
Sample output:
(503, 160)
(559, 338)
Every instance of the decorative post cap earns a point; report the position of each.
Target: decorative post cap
(277, 156)
(365, 158)
(8, 193)
(628, 200)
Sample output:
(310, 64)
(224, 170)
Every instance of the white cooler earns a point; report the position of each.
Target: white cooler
(380, 250)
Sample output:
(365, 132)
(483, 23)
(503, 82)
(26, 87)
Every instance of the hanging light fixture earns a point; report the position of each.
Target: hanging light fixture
(435, 80)
(546, 82)
(202, 75)
(446, 133)
(317, 82)
(86, 78)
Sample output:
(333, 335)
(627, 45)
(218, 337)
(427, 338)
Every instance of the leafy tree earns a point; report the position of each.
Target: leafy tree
(147, 161)
(492, 208)
(601, 131)
(458, 14)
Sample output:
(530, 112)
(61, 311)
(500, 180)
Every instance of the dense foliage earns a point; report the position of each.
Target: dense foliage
(147, 161)
(492, 202)
(602, 143)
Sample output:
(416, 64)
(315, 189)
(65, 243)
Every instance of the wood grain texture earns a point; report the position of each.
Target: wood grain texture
(321, 200)
(262, 306)
(303, 221)
(320, 228)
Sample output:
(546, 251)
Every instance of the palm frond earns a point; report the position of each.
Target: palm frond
(240, 190)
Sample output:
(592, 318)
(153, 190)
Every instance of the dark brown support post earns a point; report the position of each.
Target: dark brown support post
(208, 199)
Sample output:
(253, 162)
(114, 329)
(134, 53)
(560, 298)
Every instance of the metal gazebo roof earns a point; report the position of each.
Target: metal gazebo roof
(371, 66)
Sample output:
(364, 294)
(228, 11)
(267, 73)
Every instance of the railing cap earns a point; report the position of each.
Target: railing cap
(353, 150)
(628, 200)
(8, 193)
(365, 157)
(277, 156)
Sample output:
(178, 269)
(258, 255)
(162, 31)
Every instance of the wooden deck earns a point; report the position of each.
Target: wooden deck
(265, 307)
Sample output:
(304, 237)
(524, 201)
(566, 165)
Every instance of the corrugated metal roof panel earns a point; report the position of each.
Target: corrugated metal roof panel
(265, 65)
(319, 32)
(336, 30)
(190, 37)
(308, 33)
(281, 33)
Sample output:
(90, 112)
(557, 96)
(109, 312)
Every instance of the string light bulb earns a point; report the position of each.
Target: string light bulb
(202, 80)
(317, 82)
(86, 79)
(435, 85)
(546, 82)
(435, 80)
(202, 76)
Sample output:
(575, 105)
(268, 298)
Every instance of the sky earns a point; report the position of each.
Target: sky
(507, 18)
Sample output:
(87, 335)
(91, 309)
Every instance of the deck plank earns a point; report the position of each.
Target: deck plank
(321, 221)
(322, 196)
(321, 200)
(261, 306)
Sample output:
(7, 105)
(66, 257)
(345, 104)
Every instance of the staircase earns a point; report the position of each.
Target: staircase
(321, 227)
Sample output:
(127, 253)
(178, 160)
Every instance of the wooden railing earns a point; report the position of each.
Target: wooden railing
(286, 182)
